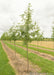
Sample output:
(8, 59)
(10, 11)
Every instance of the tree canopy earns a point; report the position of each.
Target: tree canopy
(53, 33)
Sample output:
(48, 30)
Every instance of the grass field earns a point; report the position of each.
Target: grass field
(36, 49)
(47, 44)
(43, 44)
(5, 68)
(46, 66)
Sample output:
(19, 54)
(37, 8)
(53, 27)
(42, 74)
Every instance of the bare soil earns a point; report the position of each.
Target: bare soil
(19, 63)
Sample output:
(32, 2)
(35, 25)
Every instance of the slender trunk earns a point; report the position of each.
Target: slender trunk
(53, 44)
(27, 60)
(41, 43)
(46, 44)
(37, 43)
(15, 49)
(10, 41)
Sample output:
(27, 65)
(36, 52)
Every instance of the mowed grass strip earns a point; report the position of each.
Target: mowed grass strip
(5, 68)
(45, 65)
(36, 49)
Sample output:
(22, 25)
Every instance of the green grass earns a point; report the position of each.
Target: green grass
(5, 68)
(34, 45)
(41, 46)
(42, 51)
(45, 65)
(36, 49)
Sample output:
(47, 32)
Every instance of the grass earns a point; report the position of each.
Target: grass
(36, 49)
(41, 46)
(35, 45)
(42, 51)
(5, 68)
(46, 66)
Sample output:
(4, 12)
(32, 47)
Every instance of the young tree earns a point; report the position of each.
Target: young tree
(53, 35)
(18, 36)
(24, 29)
(28, 30)
(4, 36)
(13, 36)
(10, 33)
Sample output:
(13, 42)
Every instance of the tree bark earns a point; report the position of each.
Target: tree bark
(10, 41)
(27, 60)
(15, 49)
(53, 44)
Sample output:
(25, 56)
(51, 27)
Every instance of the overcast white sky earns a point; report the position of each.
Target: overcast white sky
(43, 13)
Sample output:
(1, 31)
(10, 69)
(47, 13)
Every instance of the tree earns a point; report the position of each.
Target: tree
(10, 34)
(5, 36)
(13, 36)
(18, 36)
(53, 35)
(27, 29)
(24, 29)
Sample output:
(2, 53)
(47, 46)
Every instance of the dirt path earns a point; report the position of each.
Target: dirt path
(19, 63)
(44, 55)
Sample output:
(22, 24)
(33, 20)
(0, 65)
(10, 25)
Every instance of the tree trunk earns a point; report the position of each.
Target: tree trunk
(37, 43)
(10, 41)
(27, 60)
(53, 44)
(15, 49)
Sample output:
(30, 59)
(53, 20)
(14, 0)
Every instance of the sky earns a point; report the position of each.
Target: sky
(43, 14)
